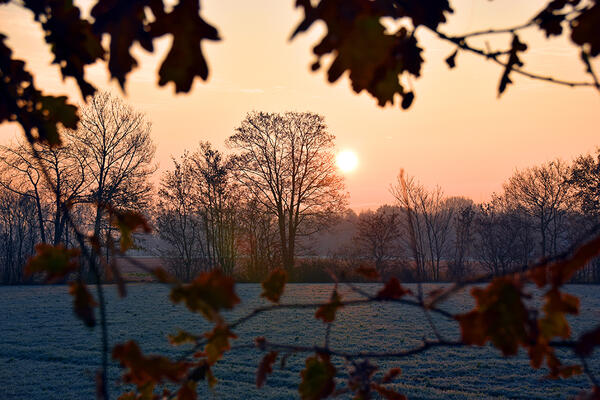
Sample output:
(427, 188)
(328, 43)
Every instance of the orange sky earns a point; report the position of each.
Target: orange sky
(457, 133)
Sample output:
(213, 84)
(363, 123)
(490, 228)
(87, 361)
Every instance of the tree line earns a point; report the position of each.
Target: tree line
(272, 197)
(540, 212)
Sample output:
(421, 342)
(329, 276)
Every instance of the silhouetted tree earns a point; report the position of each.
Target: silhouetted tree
(378, 234)
(462, 222)
(286, 161)
(427, 225)
(217, 199)
(542, 192)
(178, 221)
(113, 141)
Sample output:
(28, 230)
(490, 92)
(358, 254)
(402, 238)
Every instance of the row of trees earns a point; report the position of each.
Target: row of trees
(263, 204)
(540, 212)
(106, 161)
(279, 184)
(211, 210)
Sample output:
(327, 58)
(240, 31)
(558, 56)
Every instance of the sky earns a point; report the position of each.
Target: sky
(458, 134)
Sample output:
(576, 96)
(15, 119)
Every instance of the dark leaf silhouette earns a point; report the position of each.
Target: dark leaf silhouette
(586, 29)
(20, 101)
(83, 303)
(185, 60)
(513, 61)
(70, 37)
(550, 19)
(451, 59)
(587, 342)
(274, 284)
(361, 45)
(126, 23)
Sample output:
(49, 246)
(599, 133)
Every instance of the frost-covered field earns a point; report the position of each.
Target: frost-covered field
(45, 353)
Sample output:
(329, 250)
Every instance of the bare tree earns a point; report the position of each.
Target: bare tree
(427, 224)
(258, 239)
(114, 143)
(22, 176)
(286, 161)
(585, 180)
(378, 235)
(18, 234)
(217, 197)
(462, 222)
(178, 222)
(585, 183)
(542, 193)
(503, 236)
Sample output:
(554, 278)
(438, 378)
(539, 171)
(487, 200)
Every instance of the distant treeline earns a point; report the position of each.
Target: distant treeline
(277, 201)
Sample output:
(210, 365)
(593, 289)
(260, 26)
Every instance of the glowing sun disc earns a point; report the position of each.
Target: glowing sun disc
(346, 161)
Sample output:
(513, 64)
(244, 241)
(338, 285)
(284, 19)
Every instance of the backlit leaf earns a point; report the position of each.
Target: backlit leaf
(274, 284)
(218, 342)
(368, 272)
(265, 368)
(317, 378)
(392, 290)
(499, 316)
(326, 312)
(128, 222)
(145, 370)
(391, 375)
(207, 294)
(55, 261)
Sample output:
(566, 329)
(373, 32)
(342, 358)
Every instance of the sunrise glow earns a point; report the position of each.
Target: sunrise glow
(347, 161)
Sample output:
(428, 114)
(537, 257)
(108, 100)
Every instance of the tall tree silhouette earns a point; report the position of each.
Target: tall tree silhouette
(287, 162)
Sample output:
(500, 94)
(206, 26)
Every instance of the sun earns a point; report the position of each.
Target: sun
(346, 161)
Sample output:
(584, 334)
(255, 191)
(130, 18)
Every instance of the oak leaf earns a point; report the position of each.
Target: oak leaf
(207, 294)
(274, 284)
(327, 311)
(265, 368)
(317, 378)
(55, 261)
